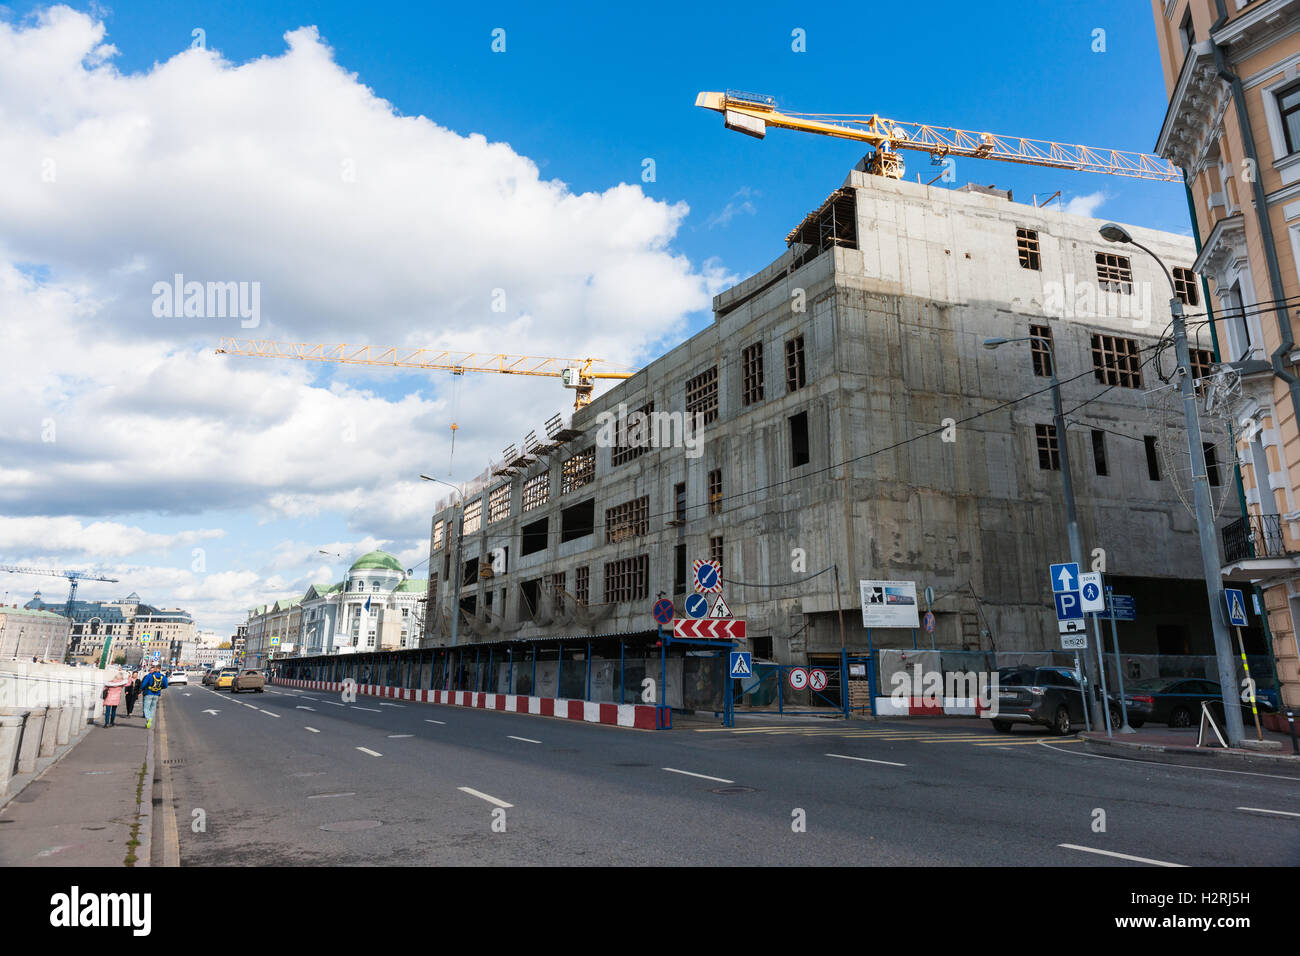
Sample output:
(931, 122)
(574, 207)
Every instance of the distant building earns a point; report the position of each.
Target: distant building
(26, 633)
(139, 630)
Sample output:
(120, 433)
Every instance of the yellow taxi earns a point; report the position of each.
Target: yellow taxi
(225, 677)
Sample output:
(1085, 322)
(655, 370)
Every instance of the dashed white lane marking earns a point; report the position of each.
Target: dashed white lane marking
(327, 796)
(382, 704)
(527, 740)
(887, 763)
(1281, 813)
(305, 697)
(312, 729)
(1120, 856)
(371, 709)
(702, 776)
(484, 796)
(428, 721)
(305, 707)
(399, 736)
(367, 750)
(272, 713)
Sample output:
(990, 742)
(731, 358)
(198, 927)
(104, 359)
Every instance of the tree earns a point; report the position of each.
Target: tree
(223, 646)
(119, 659)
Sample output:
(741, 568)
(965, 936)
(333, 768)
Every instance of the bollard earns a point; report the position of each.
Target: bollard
(11, 732)
(30, 745)
(50, 731)
(64, 732)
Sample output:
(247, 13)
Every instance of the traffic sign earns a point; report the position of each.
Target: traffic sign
(1091, 593)
(275, 641)
(928, 622)
(697, 605)
(742, 664)
(708, 576)
(798, 678)
(1236, 607)
(1068, 607)
(1072, 626)
(720, 608)
(663, 611)
(817, 679)
(1074, 642)
(688, 627)
(1122, 608)
(1065, 577)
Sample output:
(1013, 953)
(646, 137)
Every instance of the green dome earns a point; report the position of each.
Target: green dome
(412, 585)
(377, 561)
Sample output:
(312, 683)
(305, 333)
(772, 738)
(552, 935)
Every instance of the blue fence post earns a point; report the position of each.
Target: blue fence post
(478, 671)
(491, 675)
(913, 638)
(532, 687)
(780, 689)
(844, 680)
(588, 697)
(510, 671)
(622, 677)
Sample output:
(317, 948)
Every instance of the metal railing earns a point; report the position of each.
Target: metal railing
(1255, 536)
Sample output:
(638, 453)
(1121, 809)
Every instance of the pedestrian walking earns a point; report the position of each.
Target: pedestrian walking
(151, 689)
(132, 692)
(113, 697)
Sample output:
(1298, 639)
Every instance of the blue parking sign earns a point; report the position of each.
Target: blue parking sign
(1068, 606)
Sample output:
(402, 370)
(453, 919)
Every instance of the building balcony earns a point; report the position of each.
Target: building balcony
(1257, 545)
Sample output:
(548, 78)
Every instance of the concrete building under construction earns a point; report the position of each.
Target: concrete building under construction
(852, 421)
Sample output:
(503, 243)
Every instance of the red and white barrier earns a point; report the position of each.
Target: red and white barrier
(928, 707)
(592, 712)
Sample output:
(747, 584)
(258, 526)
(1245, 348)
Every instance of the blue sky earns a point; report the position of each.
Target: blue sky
(587, 96)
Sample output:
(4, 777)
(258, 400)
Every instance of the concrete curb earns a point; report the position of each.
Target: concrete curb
(1209, 756)
(145, 814)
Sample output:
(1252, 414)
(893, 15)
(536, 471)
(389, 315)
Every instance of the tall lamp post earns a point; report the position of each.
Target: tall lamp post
(460, 534)
(1112, 232)
(1071, 513)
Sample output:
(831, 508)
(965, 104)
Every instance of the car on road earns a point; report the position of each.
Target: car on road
(210, 676)
(1176, 701)
(248, 679)
(225, 677)
(1046, 696)
(178, 677)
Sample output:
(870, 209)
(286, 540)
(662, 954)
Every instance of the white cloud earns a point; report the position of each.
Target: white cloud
(96, 541)
(1085, 205)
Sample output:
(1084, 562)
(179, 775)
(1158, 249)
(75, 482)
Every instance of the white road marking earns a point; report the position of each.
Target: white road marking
(1147, 763)
(527, 740)
(484, 796)
(303, 707)
(702, 776)
(399, 736)
(371, 709)
(305, 697)
(887, 763)
(1121, 856)
(366, 750)
(1281, 813)
(213, 712)
(312, 729)
(382, 704)
(272, 713)
(428, 721)
(327, 796)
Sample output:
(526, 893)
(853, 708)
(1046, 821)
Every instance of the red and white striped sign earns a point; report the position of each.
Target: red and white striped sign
(708, 627)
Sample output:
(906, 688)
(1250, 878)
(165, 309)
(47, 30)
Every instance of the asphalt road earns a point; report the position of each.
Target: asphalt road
(300, 777)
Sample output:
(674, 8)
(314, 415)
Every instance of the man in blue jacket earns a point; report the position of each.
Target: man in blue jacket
(151, 689)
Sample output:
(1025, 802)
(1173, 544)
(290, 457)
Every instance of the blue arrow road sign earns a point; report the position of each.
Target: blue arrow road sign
(742, 664)
(697, 605)
(1068, 607)
(1236, 607)
(1065, 577)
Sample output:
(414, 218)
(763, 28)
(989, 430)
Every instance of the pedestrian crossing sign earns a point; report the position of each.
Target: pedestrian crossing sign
(1236, 607)
(742, 664)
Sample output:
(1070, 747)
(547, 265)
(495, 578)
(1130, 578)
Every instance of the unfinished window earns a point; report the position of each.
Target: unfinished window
(627, 579)
(471, 572)
(715, 491)
(1114, 273)
(628, 520)
(473, 519)
(532, 537)
(622, 451)
(578, 471)
(1185, 285)
(582, 584)
(1049, 456)
(715, 549)
(679, 503)
(1211, 464)
(1153, 461)
(557, 592)
(578, 521)
(702, 395)
(799, 440)
(1027, 249)
(1202, 363)
(1116, 361)
(498, 503)
(537, 490)
(1040, 348)
(439, 533)
(1099, 453)
(679, 569)
(530, 593)
(751, 374)
(795, 376)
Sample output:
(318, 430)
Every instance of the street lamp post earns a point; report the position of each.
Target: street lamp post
(460, 535)
(1112, 232)
(1071, 513)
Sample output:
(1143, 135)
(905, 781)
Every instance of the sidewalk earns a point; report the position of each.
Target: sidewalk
(81, 810)
(1169, 745)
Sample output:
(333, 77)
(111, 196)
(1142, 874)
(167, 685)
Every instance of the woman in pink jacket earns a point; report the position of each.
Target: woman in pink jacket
(113, 697)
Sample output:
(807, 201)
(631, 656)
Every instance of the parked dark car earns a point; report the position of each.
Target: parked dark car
(1047, 696)
(1176, 701)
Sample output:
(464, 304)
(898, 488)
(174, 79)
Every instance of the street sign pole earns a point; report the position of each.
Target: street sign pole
(1087, 715)
(1250, 685)
(1101, 665)
(1119, 668)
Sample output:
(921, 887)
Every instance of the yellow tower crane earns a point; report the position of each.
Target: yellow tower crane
(573, 373)
(753, 113)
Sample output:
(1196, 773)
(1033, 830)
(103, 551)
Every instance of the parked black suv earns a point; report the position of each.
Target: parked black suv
(1048, 696)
